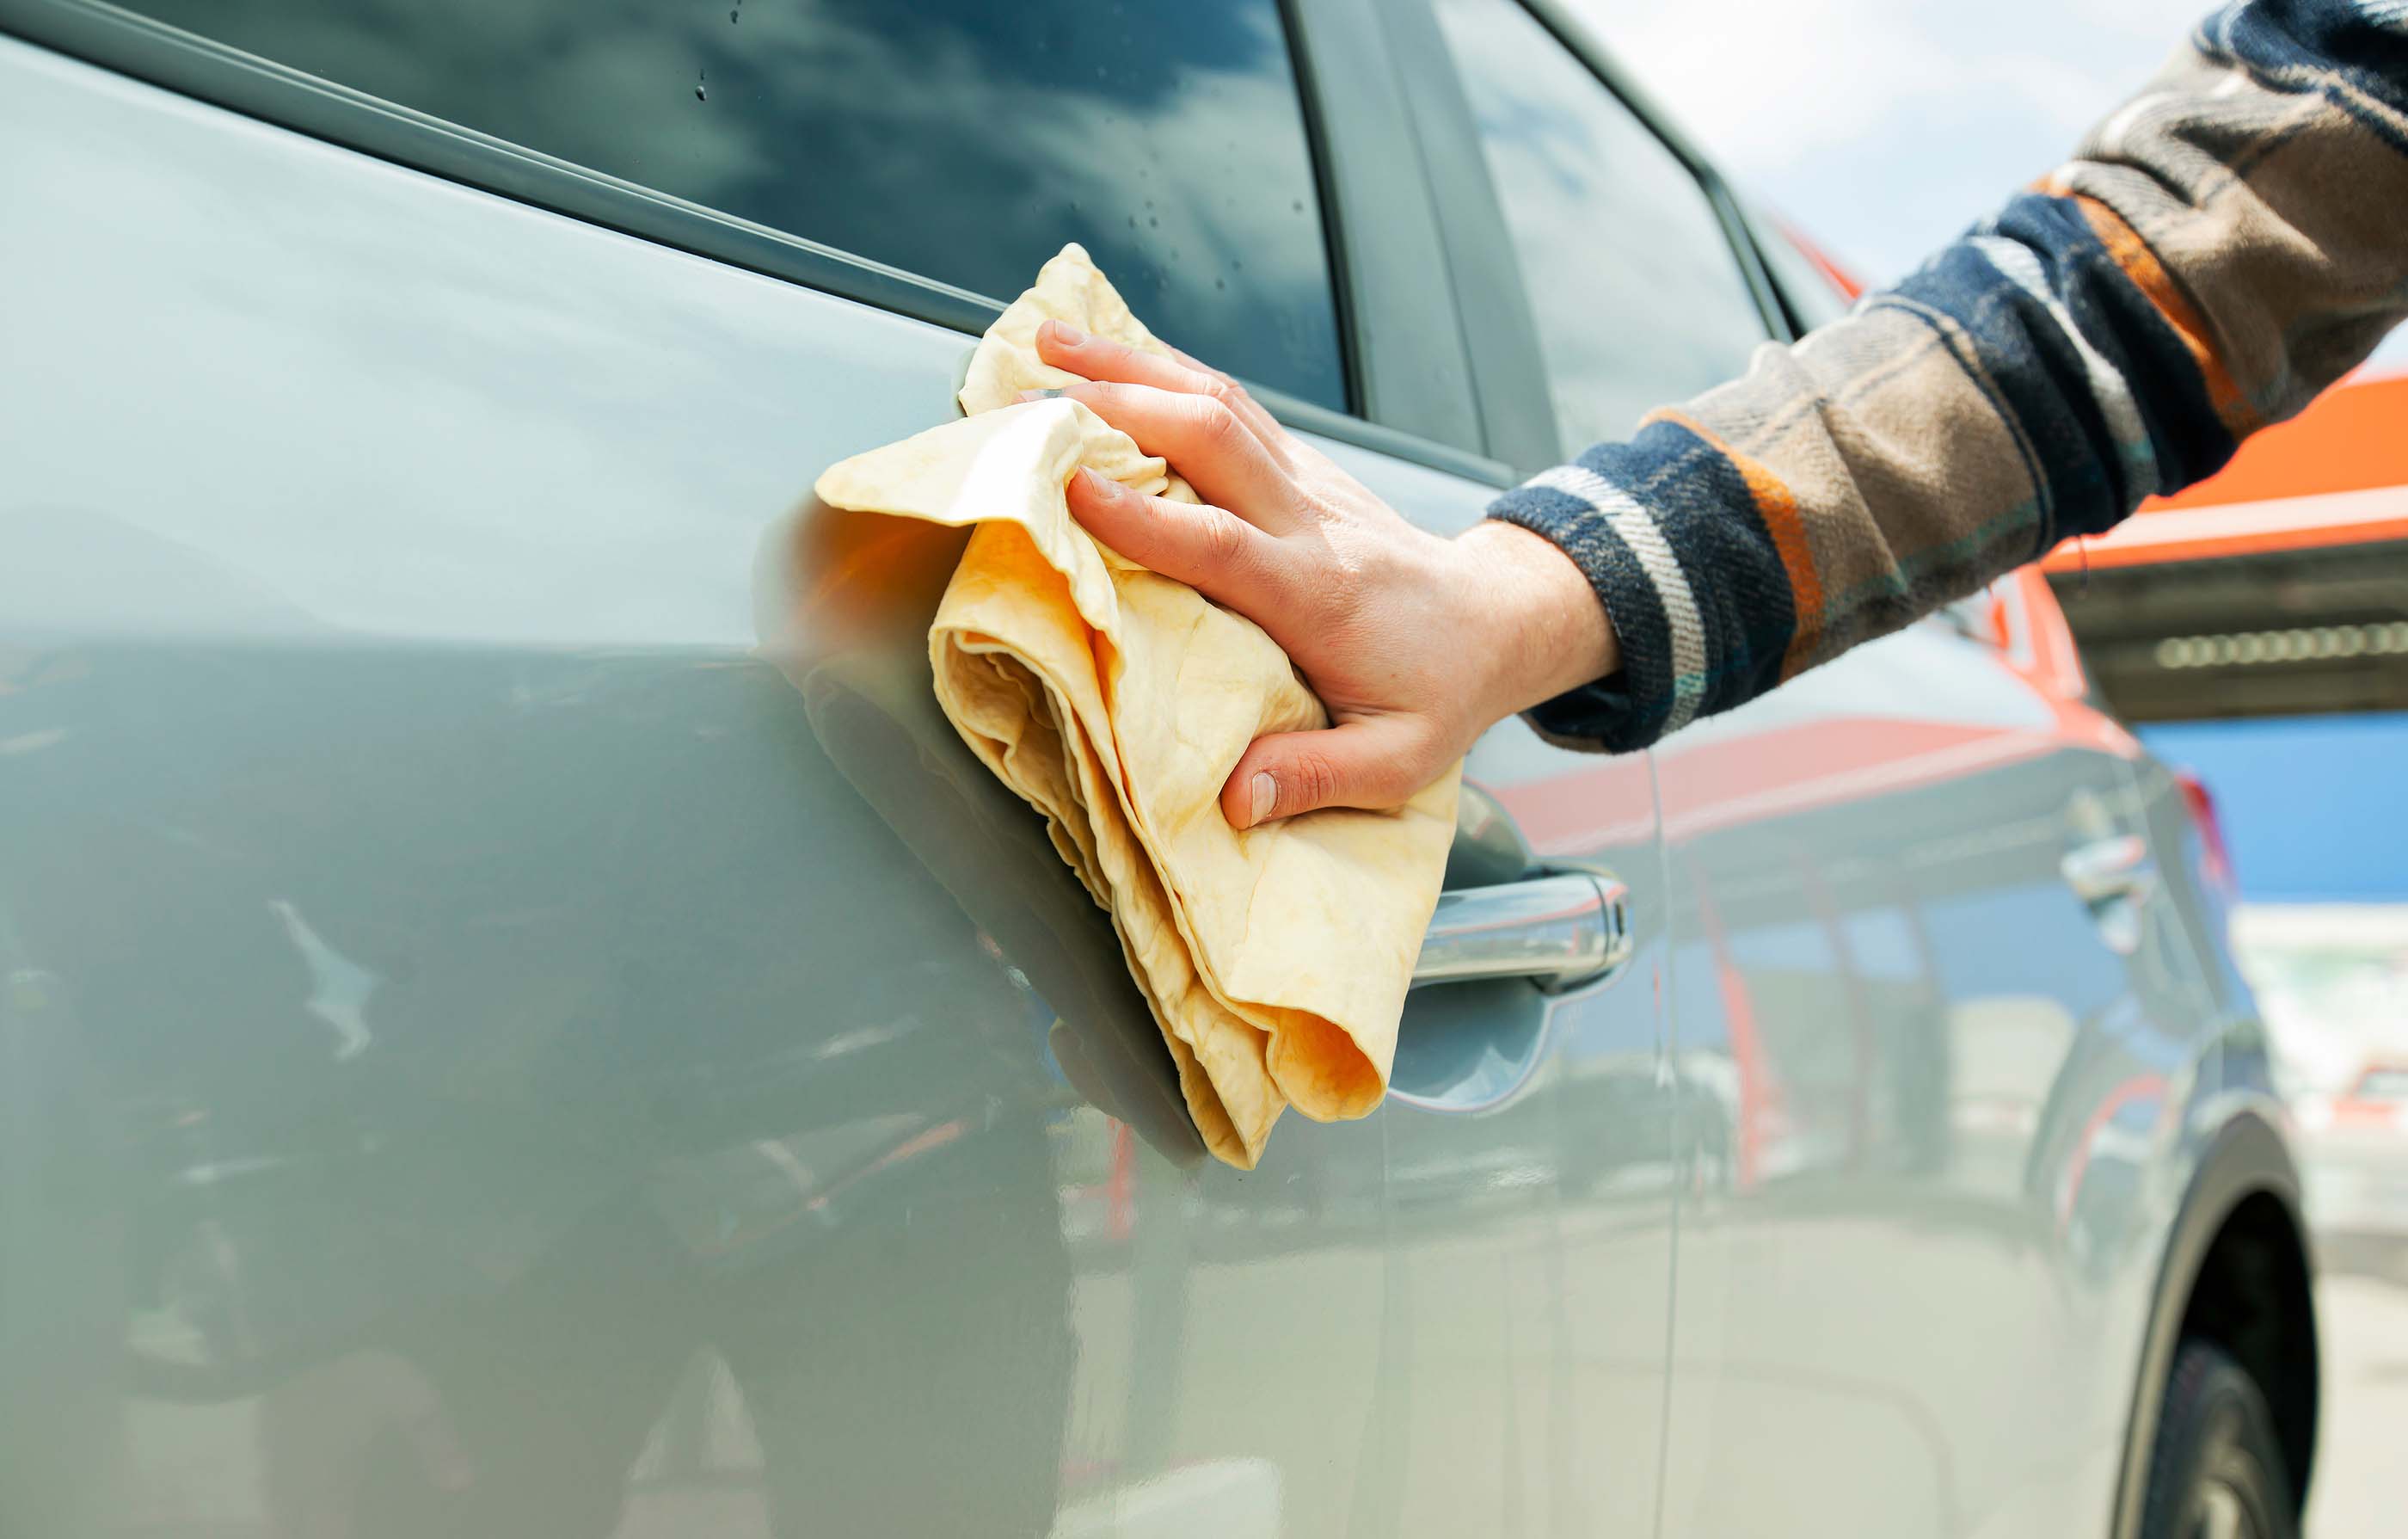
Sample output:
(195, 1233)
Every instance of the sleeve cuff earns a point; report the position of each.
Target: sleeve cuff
(1611, 540)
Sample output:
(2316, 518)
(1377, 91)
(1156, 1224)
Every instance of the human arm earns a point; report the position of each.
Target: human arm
(2219, 251)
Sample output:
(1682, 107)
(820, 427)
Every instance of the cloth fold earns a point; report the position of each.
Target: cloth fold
(1116, 701)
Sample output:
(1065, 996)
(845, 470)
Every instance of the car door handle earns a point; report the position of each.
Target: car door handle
(1558, 930)
(2114, 877)
(2104, 869)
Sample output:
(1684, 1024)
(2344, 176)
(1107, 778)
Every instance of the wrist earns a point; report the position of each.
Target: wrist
(1545, 629)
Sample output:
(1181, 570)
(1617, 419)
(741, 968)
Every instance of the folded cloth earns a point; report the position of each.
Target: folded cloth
(1116, 701)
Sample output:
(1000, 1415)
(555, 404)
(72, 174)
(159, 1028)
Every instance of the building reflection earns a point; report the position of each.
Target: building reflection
(1932, 1073)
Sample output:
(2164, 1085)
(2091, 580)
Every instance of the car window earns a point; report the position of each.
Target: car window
(1637, 295)
(1813, 298)
(964, 140)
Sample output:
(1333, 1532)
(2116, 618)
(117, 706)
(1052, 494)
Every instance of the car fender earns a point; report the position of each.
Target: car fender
(2245, 1155)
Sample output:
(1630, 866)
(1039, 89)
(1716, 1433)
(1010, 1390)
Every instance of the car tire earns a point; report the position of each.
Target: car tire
(2217, 1471)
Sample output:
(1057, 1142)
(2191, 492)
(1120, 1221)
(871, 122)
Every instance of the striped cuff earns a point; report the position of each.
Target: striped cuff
(1618, 544)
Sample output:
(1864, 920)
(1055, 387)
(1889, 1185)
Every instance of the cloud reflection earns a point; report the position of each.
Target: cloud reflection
(958, 139)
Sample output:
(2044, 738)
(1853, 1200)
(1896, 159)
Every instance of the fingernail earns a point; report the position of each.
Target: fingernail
(1099, 484)
(1038, 396)
(1064, 334)
(1260, 792)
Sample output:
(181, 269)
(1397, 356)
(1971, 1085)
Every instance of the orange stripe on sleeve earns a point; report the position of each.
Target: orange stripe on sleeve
(2141, 265)
(1777, 506)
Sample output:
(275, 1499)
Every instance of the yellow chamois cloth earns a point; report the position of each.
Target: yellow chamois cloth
(1116, 701)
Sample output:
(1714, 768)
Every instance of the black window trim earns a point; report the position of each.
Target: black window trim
(138, 46)
(1763, 229)
(1407, 352)
(1508, 371)
(1511, 373)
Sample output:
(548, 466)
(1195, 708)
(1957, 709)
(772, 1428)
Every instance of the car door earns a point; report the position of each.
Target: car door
(523, 1018)
(1906, 943)
(1969, 997)
(1925, 985)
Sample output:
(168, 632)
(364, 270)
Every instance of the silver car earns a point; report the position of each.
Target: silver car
(518, 1016)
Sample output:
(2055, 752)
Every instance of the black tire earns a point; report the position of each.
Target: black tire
(2217, 1471)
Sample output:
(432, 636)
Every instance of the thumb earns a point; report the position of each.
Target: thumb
(1374, 762)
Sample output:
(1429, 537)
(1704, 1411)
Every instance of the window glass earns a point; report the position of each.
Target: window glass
(963, 140)
(1638, 299)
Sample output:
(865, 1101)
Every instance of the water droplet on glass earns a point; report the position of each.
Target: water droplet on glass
(1296, 204)
(699, 93)
(1132, 221)
(1220, 282)
(1154, 221)
(731, 16)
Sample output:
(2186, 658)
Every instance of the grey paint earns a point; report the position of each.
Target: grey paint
(1960, 1116)
(521, 1018)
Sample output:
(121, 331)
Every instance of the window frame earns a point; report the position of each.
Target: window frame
(1386, 245)
(1508, 369)
(1763, 232)
(1396, 381)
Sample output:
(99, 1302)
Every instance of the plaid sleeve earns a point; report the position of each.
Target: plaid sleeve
(2223, 247)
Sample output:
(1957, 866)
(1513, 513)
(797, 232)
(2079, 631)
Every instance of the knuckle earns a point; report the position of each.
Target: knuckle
(1217, 428)
(1220, 539)
(1389, 780)
(1339, 580)
(1311, 779)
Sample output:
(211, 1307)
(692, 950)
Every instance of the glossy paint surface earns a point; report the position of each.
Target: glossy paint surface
(525, 1020)
(521, 1019)
(1955, 1100)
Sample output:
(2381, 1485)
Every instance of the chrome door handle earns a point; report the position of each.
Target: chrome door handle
(2107, 869)
(1559, 932)
(2114, 877)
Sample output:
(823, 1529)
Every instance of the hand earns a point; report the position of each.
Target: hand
(1415, 644)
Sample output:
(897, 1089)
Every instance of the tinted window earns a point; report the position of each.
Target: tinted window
(1638, 297)
(964, 140)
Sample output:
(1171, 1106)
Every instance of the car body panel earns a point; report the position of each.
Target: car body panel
(521, 1016)
(1954, 1107)
(541, 999)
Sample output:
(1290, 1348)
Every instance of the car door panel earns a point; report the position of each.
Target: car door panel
(561, 1036)
(1953, 1100)
(537, 1067)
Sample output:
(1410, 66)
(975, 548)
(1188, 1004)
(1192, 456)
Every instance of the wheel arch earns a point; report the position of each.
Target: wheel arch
(2235, 1271)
